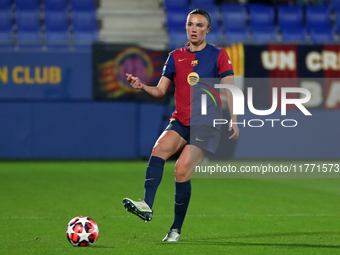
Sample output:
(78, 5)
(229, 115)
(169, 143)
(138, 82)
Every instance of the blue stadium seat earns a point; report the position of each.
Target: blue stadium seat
(293, 34)
(337, 19)
(6, 39)
(215, 37)
(177, 39)
(57, 39)
(29, 30)
(290, 16)
(28, 20)
(237, 35)
(264, 34)
(176, 5)
(335, 4)
(176, 20)
(84, 40)
(234, 16)
(29, 39)
(5, 4)
(83, 5)
(27, 4)
(318, 17)
(214, 13)
(56, 20)
(321, 35)
(261, 16)
(5, 19)
(85, 21)
(205, 4)
(60, 5)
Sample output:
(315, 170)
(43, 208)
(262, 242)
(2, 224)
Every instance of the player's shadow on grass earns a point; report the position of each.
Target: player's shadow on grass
(287, 234)
(224, 240)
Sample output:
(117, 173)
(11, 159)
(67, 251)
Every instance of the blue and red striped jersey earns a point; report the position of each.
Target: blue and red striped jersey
(191, 71)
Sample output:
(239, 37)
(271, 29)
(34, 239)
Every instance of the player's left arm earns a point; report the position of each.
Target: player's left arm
(233, 124)
(225, 72)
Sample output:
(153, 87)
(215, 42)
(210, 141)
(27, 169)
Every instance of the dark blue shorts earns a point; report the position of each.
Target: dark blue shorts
(205, 137)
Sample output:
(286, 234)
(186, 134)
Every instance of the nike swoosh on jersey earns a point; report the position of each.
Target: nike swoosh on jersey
(180, 60)
(200, 140)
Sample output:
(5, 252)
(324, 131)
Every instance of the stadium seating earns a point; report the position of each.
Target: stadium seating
(290, 16)
(215, 37)
(28, 20)
(261, 16)
(27, 4)
(57, 39)
(335, 4)
(6, 31)
(57, 29)
(84, 39)
(234, 16)
(337, 19)
(56, 20)
(318, 17)
(237, 35)
(6, 39)
(59, 32)
(171, 5)
(205, 4)
(293, 34)
(214, 16)
(84, 21)
(5, 4)
(321, 35)
(29, 30)
(29, 39)
(5, 19)
(83, 5)
(264, 34)
(177, 39)
(176, 19)
(60, 5)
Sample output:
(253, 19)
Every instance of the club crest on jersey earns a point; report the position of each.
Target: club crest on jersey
(194, 63)
(193, 78)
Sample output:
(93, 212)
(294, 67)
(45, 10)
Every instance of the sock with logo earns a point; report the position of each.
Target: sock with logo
(182, 198)
(153, 177)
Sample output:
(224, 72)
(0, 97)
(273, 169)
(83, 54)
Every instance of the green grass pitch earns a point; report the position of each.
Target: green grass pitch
(226, 216)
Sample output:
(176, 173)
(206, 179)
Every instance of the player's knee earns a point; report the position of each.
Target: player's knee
(160, 150)
(182, 172)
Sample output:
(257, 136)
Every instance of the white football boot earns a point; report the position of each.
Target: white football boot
(172, 236)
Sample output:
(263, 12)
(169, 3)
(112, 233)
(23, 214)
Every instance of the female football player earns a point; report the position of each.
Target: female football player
(185, 133)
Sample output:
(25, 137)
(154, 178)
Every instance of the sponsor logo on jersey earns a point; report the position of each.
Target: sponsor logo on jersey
(193, 78)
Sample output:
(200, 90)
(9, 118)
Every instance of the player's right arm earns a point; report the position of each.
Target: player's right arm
(164, 83)
(156, 92)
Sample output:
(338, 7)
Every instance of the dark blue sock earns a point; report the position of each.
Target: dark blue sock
(153, 177)
(182, 198)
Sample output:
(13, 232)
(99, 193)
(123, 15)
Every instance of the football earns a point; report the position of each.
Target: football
(82, 231)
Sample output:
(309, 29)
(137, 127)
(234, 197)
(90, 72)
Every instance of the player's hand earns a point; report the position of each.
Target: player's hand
(236, 133)
(134, 81)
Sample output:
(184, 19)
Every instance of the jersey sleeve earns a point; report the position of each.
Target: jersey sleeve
(225, 67)
(169, 67)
